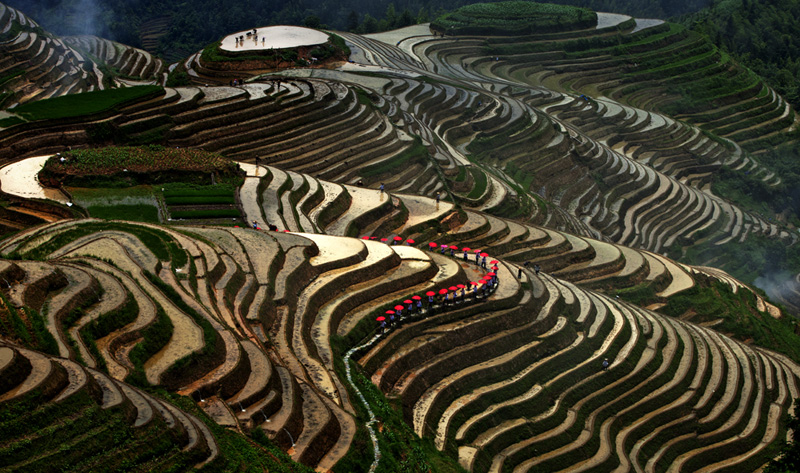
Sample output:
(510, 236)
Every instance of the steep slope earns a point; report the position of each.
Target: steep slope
(504, 189)
(210, 313)
(37, 65)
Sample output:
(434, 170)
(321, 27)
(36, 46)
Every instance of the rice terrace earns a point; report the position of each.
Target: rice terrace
(515, 237)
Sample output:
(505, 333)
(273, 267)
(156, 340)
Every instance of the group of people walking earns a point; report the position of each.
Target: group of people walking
(445, 298)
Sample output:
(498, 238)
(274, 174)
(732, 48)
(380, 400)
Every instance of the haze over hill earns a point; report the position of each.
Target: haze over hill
(496, 246)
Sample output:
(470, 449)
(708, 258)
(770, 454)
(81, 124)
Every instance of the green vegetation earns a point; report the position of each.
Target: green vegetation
(69, 106)
(77, 433)
(188, 31)
(27, 326)
(192, 201)
(751, 192)
(481, 181)
(193, 194)
(154, 337)
(763, 35)
(178, 77)
(210, 213)
(178, 372)
(642, 294)
(710, 300)
(10, 121)
(415, 154)
(179, 189)
(740, 317)
(11, 75)
(133, 213)
(400, 448)
(759, 260)
(105, 324)
(158, 242)
(789, 460)
(237, 452)
(136, 204)
(513, 18)
(339, 43)
(12, 327)
(200, 199)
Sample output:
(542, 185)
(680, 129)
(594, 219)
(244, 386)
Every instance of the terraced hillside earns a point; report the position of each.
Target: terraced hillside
(298, 202)
(661, 68)
(241, 320)
(126, 61)
(502, 205)
(36, 65)
(108, 422)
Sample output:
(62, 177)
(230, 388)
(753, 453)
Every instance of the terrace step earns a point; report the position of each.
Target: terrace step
(45, 376)
(191, 339)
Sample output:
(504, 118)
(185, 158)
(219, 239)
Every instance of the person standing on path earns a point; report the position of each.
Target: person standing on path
(605, 364)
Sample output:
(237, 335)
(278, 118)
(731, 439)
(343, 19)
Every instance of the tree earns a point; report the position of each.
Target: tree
(422, 15)
(352, 21)
(391, 16)
(406, 19)
(370, 24)
(312, 21)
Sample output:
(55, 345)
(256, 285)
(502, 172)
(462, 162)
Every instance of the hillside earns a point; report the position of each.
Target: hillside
(762, 34)
(467, 217)
(173, 29)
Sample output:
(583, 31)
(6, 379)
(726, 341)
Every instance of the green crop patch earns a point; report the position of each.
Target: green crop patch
(189, 194)
(136, 204)
(481, 181)
(134, 213)
(173, 190)
(68, 106)
(200, 200)
(10, 121)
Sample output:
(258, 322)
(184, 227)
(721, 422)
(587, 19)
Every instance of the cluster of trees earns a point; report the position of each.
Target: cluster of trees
(762, 34)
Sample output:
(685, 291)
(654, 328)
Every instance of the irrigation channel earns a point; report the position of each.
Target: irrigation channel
(348, 371)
